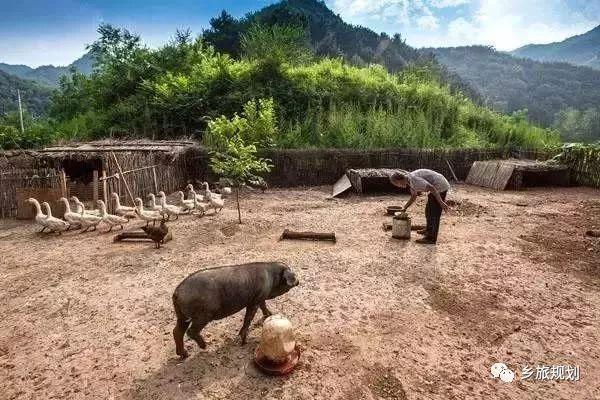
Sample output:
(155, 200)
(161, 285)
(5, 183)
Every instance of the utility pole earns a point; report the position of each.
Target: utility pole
(20, 111)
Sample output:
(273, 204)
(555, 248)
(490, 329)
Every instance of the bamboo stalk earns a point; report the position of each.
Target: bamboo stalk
(123, 177)
(95, 187)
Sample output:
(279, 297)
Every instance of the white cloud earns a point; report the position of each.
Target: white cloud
(428, 22)
(504, 24)
(509, 24)
(448, 3)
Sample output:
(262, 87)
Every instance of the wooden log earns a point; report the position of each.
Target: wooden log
(138, 236)
(288, 234)
(387, 226)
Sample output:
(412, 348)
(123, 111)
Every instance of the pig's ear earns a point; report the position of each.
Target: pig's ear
(289, 278)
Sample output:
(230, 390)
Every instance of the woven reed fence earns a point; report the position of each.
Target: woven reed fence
(584, 162)
(324, 167)
(13, 180)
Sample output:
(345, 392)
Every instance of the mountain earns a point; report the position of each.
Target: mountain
(49, 75)
(34, 97)
(579, 50)
(508, 83)
(328, 33)
(329, 36)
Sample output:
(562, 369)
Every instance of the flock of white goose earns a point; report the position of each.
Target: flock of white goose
(83, 219)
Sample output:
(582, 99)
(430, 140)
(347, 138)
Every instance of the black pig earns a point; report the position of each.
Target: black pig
(217, 293)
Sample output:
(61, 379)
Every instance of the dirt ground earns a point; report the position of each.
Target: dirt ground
(513, 279)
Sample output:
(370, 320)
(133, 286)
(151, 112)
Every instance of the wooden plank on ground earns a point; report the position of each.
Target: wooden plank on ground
(341, 186)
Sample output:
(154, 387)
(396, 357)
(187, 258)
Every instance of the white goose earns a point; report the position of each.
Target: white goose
(53, 223)
(83, 219)
(192, 193)
(73, 218)
(167, 209)
(124, 211)
(202, 207)
(215, 202)
(186, 205)
(109, 219)
(208, 194)
(81, 208)
(146, 215)
(40, 217)
(152, 206)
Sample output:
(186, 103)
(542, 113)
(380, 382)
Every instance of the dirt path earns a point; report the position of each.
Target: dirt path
(512, 279)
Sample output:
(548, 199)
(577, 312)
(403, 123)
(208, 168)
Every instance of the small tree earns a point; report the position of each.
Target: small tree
(239, 163)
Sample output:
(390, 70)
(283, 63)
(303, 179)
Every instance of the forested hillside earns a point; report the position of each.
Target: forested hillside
(328, 36)
(278, 83)
(550, 92)
(580, 50)
(49, 75)
(34, 97)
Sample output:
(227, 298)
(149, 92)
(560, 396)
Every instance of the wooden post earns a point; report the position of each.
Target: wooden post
(105, 190)
(63, 183)
(155, 181)
(123, 177)
(95, 187)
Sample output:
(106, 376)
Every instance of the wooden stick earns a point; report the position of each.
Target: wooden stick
(287, 234)
(123, 177)
(155, 180)
(105, 190)
(63, 183)
(127, 172)
(451, 170)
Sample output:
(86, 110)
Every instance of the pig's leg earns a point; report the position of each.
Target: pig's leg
(194, 332)
(265, 310)
(178, 333)
(250, 313)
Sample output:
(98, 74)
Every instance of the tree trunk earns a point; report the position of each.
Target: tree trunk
(237, 199)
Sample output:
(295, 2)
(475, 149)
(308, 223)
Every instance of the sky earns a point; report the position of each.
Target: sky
(41, 32)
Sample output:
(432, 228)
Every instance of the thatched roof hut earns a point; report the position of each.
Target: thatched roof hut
(93, 170)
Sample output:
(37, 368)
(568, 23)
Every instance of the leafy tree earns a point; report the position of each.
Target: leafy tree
(224, 33)
(37, 132)
(257, 125)
(239, 163)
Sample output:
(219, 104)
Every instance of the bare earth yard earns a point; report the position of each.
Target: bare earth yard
(513, 279)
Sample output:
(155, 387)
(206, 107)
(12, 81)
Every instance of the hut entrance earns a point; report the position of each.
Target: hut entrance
(81, 171)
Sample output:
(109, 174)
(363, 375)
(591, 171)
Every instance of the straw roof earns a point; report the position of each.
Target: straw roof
(102, 146)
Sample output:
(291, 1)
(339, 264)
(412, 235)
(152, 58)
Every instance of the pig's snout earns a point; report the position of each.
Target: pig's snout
(289, 278)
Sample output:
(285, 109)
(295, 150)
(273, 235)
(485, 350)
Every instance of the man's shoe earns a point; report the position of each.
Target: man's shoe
(425, 240)
(422, 232)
